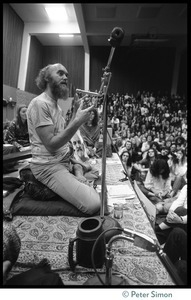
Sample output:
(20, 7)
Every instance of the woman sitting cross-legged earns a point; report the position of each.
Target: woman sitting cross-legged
(157, 185)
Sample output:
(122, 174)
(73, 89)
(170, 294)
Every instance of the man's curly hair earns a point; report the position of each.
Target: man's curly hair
(42, 78)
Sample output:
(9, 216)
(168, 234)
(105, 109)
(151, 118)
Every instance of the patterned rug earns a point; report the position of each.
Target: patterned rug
(48, 237)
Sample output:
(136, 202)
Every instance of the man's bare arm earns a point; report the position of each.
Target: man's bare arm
(54, 142)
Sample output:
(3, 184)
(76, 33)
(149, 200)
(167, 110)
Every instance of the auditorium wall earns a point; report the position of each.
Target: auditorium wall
(35, 63)
(182, 79)
(133, 69)
(13, 28)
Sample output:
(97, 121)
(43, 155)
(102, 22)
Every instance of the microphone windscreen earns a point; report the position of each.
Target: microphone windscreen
(116, 36)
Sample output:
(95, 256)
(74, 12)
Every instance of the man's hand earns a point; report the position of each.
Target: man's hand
(83, 115)
(76, 102)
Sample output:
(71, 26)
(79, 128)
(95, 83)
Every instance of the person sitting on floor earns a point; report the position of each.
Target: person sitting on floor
(144, 164)
(127, 163)
(50, 140)
(176, 213)
(90, 132)
(81, 161)
(17, 132)
(178, 170)
(157, 185)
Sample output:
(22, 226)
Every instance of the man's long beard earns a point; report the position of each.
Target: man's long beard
(59, 91)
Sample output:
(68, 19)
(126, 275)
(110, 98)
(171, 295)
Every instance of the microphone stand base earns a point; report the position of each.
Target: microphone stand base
(107, 223)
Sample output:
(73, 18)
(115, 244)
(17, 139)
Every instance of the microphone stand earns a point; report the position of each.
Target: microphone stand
(107, 222)
(115, 39)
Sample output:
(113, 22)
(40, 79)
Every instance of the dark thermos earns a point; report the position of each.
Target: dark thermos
(87, 233)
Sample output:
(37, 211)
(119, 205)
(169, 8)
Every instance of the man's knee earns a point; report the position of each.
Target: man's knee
(94, 205)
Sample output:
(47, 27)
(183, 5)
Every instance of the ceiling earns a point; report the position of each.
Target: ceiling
(145, 24)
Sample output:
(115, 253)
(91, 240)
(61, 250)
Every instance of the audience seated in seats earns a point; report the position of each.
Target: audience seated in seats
(138, 139)
(176, 249)
(168, 144)
(184, 135)
(154, 145)
(90, 132)
(134, 145)
(149, 139)
(173, 148)
(176, 216)
(17, 132)
(128, 146)
(123, 122)
(145, 145)
(115, 124)
(180, 141)
(178, 170)
(163, 121)
(157, 185)
(164, 153)
(50, 140)
(81, 161)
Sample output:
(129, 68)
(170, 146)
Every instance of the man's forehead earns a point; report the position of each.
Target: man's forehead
(57, 67)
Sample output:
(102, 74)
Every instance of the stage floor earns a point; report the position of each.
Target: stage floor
(48, 237)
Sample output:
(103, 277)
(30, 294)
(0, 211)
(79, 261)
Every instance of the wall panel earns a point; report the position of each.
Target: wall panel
(182, 79)
(13, 28)
(35, 63)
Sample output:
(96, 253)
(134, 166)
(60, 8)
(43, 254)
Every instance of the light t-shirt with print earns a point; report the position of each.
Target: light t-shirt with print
(43, 111)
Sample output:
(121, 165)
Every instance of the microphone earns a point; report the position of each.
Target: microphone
(116, 36)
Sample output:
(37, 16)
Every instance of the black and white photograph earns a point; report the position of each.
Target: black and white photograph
(95, 150)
